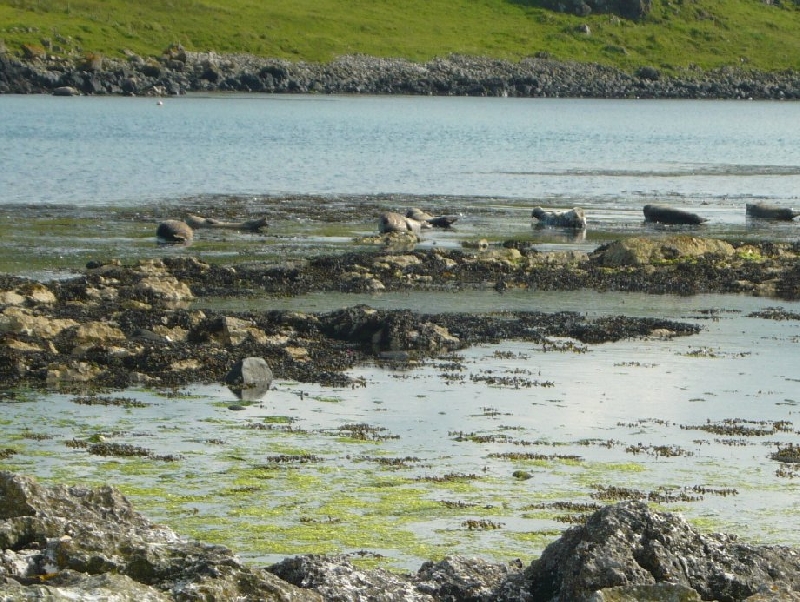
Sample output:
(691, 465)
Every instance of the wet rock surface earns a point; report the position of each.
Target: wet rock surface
(69, 542)
(178, 71)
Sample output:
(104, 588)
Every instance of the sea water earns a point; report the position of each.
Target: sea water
(711, 156)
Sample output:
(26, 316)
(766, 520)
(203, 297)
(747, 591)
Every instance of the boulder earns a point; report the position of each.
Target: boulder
(642, 251)
(76, 543)
(250, 378)
(628, 544)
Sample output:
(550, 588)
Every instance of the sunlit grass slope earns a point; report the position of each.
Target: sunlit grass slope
(677, 33)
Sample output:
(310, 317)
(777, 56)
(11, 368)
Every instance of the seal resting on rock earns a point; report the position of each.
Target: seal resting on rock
(776, 212)
(575, 218)
(253, 225)
(663, 214)
(428, 220)
(391, 221)
(174, 232)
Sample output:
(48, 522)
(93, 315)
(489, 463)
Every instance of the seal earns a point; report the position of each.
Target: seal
(390, 221)
(575, 218)
(776, 212)
(253, 225)
(174, 232)
(430, 221)
(664, 214)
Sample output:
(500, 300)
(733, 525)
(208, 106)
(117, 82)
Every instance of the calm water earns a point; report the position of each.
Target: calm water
(597, 154)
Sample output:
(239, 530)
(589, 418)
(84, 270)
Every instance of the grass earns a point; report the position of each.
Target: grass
(677, 34)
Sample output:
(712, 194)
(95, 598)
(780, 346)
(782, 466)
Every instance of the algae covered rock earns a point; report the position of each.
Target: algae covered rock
(642, 251)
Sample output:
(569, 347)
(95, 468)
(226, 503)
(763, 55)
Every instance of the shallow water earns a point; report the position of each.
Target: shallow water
(431, 469)
(611, 153)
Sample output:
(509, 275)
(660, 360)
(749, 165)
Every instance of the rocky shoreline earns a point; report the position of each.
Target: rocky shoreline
(179, 72)
(69, 542)
(120, 325)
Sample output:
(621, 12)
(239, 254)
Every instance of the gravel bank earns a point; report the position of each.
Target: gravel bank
(178, 72)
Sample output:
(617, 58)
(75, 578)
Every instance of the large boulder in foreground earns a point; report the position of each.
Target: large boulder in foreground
(56, 542)
(630, 545)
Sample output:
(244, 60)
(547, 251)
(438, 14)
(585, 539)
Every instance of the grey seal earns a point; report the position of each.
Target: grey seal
(664, 214)
(776, 212)
(174, 232)
(252, 225)
(575, 218)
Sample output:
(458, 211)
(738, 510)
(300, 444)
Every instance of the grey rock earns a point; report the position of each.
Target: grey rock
(70, 534)
(337, 580)
(456, 75)
(250, 378)
(628, 544)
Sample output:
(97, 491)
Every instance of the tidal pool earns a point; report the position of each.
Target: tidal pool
(492, 451)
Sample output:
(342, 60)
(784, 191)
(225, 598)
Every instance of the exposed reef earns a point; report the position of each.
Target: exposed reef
(120, 325)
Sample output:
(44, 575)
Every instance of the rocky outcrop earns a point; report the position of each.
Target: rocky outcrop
(70, 543)
(642, 251)
(73, 543)
(628, 544)
(178, 71)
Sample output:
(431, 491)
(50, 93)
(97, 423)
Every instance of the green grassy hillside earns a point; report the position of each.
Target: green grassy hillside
(676, 33)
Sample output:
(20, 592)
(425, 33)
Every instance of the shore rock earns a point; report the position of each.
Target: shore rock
(628, 544)
(116, 325)
(68, 542)
(92, 542)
